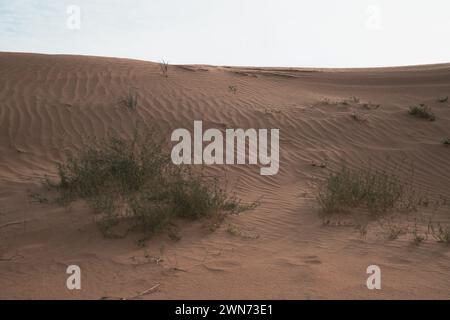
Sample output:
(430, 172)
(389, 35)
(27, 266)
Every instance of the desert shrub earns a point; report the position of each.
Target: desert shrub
(422, 111)
(345, 102)
(112, 165)
(129, 101)
(359, 117)
(394, 230)
(149, 215)
(135, 180)
(446, 141)
(439, 232)
(377, 191)
(232, 89)
(195, 198)
(418, 238)
(351, 100)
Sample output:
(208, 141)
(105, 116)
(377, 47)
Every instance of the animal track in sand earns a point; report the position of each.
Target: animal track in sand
(301, 261)
(312, 260)
(221, 265)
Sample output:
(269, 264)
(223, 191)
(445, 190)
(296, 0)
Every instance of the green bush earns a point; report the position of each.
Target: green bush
(376, 191)
(136, 180)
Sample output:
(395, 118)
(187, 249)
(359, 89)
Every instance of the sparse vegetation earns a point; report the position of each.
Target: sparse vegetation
(446, 141)
(351, 100)
(239, 232)
(417, 237)
(173, 234)
(422, 111)
(439, 232)
(134, 181)
(164, 67)
(362, 229)
(37, 197)
(129, 101)
(318, 164)
(232, 89)
(371, 106)
(443, 99)
(394, 230)
(374, 190)
(233, 230)
(345, 102)
(359, 117)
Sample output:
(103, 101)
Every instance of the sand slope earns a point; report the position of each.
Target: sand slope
(282, 250)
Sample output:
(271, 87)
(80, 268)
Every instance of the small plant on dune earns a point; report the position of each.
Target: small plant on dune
(354, 99)
(318, 164)
(446, 141)
(351, 100)
(164, 67)
(393, 229)
(346, 102)
(37, 197)
(233, 230)
(129, 101)
(371, 106)
(394, 232)
(232, 89)
(422, 111)
(325, 101)
(362, 229)
(374, 190)
(439, 232)
(443, 99)
(417, 237)
(135, 181)
(173, 234)
(359, 117)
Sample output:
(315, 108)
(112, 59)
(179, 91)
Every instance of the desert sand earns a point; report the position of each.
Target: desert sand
(280, 250)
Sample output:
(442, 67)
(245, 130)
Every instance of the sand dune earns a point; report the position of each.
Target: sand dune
(281, 249)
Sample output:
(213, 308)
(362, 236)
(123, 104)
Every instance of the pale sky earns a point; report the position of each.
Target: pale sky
(289, 33)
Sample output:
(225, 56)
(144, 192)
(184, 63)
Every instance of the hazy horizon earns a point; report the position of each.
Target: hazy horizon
(251, 33)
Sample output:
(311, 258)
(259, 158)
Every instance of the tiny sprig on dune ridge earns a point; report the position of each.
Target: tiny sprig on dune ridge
(134, 180)
(164, 67)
